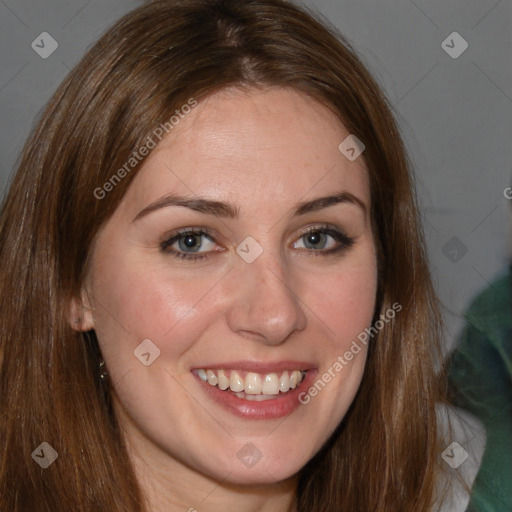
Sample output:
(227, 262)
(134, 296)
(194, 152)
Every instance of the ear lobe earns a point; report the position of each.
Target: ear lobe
(80, 315)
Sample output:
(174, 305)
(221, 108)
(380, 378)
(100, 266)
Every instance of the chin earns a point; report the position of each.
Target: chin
(251, 467)
(260, 476)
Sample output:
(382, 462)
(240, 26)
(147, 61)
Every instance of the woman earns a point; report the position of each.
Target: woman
(214, 287)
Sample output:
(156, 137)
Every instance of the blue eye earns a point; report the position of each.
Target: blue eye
(317, 240)
(323, 240)
(189, 244)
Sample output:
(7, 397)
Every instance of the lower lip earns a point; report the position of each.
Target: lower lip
(283, 405)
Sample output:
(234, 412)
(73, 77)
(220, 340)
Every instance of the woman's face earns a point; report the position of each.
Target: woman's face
(243, 251)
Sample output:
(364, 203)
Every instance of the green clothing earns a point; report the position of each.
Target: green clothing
(480, 374)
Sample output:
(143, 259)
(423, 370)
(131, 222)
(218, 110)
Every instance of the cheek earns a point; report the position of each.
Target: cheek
(344, 301)
(135, 302)
(343, 305)
(349, 307)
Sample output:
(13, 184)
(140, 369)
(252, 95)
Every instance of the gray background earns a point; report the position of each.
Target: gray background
(455, 113)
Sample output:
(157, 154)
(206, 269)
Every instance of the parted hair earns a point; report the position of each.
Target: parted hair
(384, 455)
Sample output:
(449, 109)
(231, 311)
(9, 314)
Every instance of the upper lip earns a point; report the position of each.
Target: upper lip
(258, 367)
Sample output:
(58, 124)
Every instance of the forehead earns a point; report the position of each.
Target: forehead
(252, 148)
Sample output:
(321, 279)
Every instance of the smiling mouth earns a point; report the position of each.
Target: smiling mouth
(252, 386)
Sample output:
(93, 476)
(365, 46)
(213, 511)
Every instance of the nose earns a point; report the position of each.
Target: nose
(264, 306)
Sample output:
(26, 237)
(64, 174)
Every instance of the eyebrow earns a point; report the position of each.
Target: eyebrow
(226, 210)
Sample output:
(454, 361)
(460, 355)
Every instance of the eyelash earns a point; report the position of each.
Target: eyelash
(344, 242)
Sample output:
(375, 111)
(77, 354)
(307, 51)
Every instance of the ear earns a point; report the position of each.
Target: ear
(80, 313)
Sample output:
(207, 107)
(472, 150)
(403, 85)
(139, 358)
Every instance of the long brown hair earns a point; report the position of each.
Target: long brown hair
(384, 455)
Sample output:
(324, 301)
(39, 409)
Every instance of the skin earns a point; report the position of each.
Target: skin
(262, 151)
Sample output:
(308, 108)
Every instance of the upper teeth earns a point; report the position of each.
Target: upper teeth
(252, 383)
